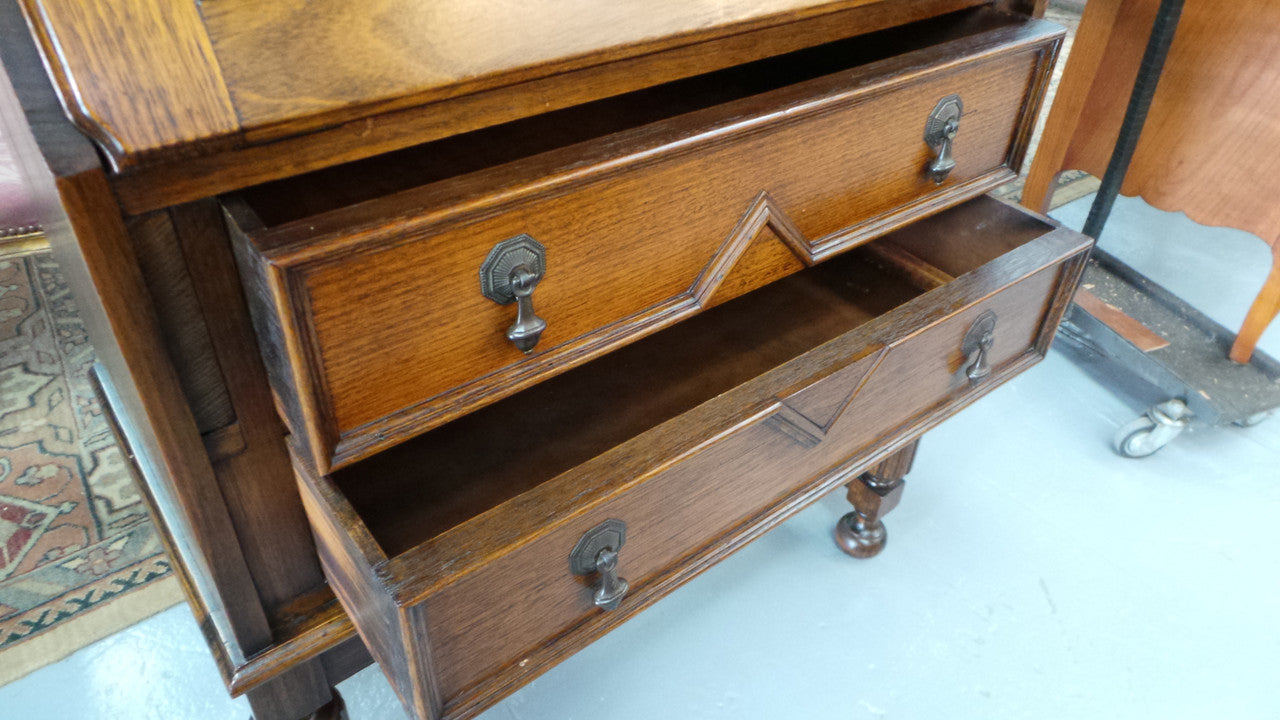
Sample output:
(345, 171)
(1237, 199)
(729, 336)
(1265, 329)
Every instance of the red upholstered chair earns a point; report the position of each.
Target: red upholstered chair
(18, 212)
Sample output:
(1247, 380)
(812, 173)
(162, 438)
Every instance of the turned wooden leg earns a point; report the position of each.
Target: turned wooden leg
(1264, 310)
(861, 533)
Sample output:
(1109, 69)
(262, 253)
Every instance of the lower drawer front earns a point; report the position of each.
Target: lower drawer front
(488, 604)
(514, 605)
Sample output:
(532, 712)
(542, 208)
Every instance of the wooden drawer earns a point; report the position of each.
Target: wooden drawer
(651, 207)
(452, 551)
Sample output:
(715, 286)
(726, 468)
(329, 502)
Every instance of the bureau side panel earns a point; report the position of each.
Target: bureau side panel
(271, 314)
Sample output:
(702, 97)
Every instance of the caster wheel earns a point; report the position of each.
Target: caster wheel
(1134, 439)
(1147, 434)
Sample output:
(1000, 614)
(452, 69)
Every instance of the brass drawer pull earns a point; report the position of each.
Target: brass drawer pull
(940, 132)
(597, 552)
(509, 274)
(977, 345)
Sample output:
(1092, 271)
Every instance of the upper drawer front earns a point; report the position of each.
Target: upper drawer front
(385, 329)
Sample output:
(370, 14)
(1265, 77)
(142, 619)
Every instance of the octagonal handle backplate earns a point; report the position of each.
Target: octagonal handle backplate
(597, 553)
(512, 270)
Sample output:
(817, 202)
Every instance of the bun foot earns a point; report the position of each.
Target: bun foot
(873, 494)
(859, 538)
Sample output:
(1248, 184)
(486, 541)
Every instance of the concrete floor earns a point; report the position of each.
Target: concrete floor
(1029, 573)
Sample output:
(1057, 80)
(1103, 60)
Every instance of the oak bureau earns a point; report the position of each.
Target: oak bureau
(449, 335)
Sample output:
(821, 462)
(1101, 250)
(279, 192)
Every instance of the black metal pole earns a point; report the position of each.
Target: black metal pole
(1135, 115)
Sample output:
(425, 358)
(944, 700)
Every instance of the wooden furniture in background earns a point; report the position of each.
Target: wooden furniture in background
(761, 282)
(1208, 147)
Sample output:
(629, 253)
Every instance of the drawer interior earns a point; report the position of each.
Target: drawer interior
(616, 118)
(416, 491)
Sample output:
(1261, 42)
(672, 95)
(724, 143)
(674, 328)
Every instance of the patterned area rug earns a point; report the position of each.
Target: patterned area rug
(74, 532)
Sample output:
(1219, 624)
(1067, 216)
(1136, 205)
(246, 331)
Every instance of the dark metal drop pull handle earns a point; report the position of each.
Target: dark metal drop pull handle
(528, 326)
(977, 346)
(597, 554)
(940, 134)
(944, 163)
(612, 588)
(508, 275)
(976, 367)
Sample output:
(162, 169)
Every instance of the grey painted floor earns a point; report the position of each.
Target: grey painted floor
(1029, 573)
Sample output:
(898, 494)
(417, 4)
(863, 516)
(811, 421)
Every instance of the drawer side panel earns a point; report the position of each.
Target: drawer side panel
(387, 630)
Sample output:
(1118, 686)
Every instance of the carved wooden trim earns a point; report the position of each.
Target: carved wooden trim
(287, 257)
(323, 629)
(796, 416)
(385, 432)
(763, 213)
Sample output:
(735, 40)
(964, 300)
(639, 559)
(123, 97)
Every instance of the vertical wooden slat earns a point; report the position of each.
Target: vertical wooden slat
(258, 482)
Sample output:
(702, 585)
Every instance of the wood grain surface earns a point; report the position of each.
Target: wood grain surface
(91, 243)
(690, 500)
(480, 600)
(339, 55)
(645, 224)
(183, 328)
(138, 76)
(276, 156)
(1092, 50)
(155, 82)
(1205, 148)
(351, 560)
(256, 482)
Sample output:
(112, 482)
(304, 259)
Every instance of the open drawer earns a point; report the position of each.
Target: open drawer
(626, 215)
(452, 552)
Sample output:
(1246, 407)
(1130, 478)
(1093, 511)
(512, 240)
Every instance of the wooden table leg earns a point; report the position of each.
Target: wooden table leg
(1264, 310)
(1058, 142)
(861, 533)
